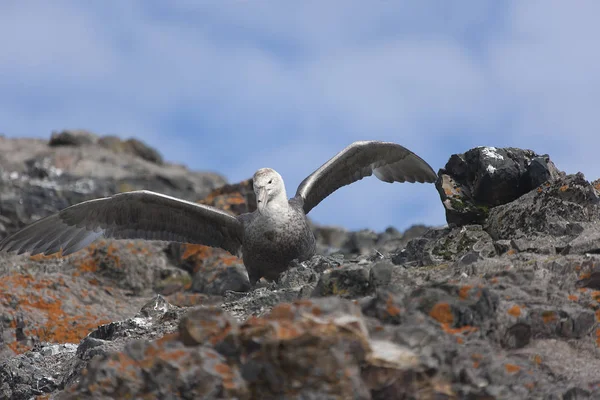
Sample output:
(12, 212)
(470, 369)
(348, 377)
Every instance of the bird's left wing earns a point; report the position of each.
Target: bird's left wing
(390, 162)
(132, 215)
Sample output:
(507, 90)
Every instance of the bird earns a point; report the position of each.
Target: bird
(267, 239)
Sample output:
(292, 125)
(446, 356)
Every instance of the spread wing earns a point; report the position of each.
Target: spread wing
(390, 162)
(132, 215)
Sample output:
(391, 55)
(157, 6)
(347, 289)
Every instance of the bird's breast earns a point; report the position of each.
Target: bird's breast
(285, 232)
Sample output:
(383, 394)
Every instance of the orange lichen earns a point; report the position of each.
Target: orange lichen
(283, 311)
(511, 368)
(598, 336)
(205, 256)
(286, 331)
(585, 275)
(442, 312)
(530, 385)
(515, 311)
(564, 188)
(596, 295)
(197, 250)
(41, 257)
(476, 364)
(597, 186)
(58, 326)
(184, 299)
(537, 359)
(573, 297)
(392, 309)
(511, 252)
(494, 280)
(465, 330)
(463, 293)
(598, 315)
(549, 316)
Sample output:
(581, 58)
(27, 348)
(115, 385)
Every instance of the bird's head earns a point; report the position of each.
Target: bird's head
(268, 187)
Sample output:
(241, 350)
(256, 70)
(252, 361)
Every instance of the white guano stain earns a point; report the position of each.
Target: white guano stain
(491, 153)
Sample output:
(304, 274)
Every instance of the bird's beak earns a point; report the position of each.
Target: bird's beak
(261, 200)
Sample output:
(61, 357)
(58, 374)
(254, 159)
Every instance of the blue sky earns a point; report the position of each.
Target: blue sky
(236, 85)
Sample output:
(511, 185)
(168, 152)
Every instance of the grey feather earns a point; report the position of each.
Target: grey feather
(389, 162)
(132, 215)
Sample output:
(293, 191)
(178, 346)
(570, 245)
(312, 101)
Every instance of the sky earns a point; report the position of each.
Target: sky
(232, 86)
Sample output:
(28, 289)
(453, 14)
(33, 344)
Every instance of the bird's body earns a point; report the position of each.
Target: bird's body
(272, 240)
(266, 239)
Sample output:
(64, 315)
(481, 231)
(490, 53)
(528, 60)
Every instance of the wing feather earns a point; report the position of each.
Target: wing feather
(133, 215)
(389, 162)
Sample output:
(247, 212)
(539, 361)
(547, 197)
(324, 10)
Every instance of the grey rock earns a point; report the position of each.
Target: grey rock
(446, 245)
(219, 280)
(347, 282)
(561, 209)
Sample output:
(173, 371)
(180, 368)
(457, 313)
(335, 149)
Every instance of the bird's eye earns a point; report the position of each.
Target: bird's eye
(271, 181)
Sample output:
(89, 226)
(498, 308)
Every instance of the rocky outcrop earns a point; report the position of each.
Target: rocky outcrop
(37, 179)
(503, 304)
(485, 177)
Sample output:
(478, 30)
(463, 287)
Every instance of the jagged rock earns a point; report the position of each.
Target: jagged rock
(131, 146)
(446, 245)
(72, 137)
(360, 242)
(330, 239)
(484, 177)
(220, 278)
(561, 210)
(163, 369)
(237, 199)
(348, 282)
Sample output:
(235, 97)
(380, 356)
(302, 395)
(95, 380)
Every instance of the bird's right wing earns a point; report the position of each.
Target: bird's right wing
(132, 215)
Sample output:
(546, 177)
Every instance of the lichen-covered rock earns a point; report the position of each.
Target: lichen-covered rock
(349, 281)
(236, 199)
(485, 177)
(161, 369)
(447, 245)
(562, 210)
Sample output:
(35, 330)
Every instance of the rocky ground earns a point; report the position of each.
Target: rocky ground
(503, 303)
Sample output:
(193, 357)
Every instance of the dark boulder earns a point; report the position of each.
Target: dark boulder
(485, 177)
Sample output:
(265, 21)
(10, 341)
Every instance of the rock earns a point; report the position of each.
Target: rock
(330, 239)
(131, 146)
(237, 199)
(347, 282)
(360, 242)
(562, 210)
(221, 278)
(165, 369)
(485, 177)
(72, 137)
(446, 245)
